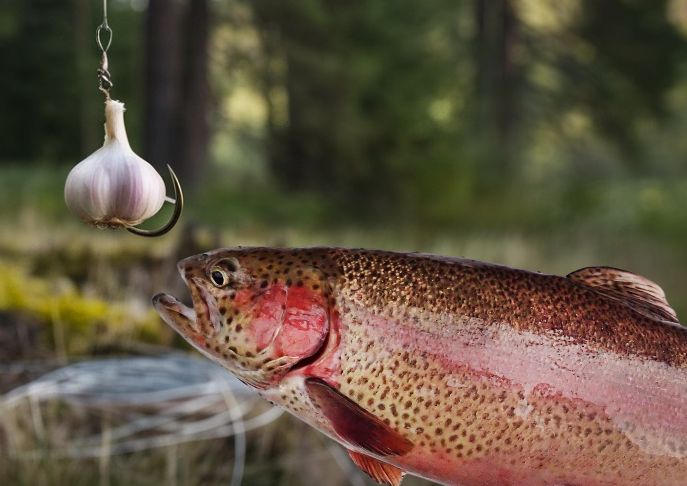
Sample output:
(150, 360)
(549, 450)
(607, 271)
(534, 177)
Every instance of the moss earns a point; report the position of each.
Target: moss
(80, 320)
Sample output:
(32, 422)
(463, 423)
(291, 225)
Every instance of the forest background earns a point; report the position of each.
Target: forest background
(548, 135)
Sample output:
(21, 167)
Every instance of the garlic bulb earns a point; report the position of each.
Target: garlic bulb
(114, 187)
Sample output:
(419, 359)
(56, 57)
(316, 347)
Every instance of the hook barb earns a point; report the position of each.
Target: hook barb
(178, 206)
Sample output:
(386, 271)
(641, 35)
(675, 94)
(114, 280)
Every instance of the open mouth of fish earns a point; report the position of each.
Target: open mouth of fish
(176, 314)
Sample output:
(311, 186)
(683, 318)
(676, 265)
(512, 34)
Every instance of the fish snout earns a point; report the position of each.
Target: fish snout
(190, 264)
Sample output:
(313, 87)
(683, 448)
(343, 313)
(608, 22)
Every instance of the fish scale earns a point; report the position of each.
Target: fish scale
(459, 371)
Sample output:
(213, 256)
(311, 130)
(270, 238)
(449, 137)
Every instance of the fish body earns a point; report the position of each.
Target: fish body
(458, 371)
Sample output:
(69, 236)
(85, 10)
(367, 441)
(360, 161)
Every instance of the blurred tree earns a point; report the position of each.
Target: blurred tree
(162, 82)
(195, 94)
(177, 89)
(83, 34)
(49, 95)
(40, 93)
(359, 80)
(612, 63)
(496, 29)
(637, 55)
(425, 111)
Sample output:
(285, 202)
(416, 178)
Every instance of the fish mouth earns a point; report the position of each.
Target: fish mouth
(178, 316)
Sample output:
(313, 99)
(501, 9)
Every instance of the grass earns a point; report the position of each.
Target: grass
(276, 458)
(77, 322)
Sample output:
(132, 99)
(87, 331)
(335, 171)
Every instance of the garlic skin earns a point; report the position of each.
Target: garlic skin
(114, 187)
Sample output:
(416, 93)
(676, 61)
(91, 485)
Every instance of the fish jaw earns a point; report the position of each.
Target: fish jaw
(179, 317)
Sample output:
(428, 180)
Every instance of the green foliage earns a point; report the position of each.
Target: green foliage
(435, 114)
(441, 113)
(361, 79)
(615, 61)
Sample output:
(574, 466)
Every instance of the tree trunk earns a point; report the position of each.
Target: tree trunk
(496, 78)
(506, 76)
(162, 82)
(90, 133)
(194, 130)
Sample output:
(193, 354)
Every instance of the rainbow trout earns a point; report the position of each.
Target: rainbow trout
(458, 371)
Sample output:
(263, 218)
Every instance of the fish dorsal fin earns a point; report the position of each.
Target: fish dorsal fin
(638, 292)
(380, 471)
(354, 424)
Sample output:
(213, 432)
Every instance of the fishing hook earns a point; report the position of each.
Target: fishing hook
(178, 202)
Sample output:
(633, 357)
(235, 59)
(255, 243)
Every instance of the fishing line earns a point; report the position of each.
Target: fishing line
(104, 78)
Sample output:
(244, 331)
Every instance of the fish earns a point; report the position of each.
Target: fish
(459, 371)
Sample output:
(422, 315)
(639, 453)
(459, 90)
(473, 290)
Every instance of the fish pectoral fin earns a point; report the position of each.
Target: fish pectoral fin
(380, 471)
(638, 292)
(355, 425)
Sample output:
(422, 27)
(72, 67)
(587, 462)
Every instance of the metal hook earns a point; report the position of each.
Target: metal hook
(178, 206)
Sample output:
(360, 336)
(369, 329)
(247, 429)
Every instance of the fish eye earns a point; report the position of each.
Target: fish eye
(219, 277)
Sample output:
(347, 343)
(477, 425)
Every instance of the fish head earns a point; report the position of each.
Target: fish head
(257, 312)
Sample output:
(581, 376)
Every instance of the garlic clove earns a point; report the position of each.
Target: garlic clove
(114, 187)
